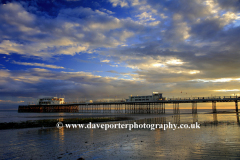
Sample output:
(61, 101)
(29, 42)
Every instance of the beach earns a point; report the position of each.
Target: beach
(217, 138)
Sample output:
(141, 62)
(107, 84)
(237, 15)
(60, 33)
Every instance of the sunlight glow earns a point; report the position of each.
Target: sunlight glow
(227, 90)
(194, 72)
(217, 80)
(175, 62)
(157, 65)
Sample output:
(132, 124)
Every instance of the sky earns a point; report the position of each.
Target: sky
(111, 49)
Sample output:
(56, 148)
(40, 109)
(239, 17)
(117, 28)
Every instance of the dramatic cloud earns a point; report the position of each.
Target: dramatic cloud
(74, 30)
(96, 50)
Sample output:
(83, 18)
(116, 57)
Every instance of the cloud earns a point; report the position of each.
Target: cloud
(72, 31)
(36, 82)
(38, 65)
(114, 65)
(122, 3)
(146, 16)
(10, 101)
(112, 71)
(105, 61)
(201, 36)
(229, 5)
(15, 14)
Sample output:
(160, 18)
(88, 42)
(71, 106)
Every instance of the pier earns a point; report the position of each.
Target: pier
(138, 107)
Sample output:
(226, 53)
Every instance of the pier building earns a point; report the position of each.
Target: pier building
(50, 101)
(156, 96)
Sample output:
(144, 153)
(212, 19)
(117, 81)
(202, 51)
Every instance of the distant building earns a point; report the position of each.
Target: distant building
(89, 101)
(50, 101)
(156, 96)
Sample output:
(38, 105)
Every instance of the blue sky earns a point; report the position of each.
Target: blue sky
(83, 49)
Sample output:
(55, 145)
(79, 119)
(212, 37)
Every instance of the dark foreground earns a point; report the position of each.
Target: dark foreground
(52, 122)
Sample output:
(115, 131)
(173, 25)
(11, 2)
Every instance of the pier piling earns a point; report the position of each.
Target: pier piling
(214, 109)
(236, 106)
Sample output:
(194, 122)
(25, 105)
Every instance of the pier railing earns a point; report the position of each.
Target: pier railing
(204, 98)
(218, 98)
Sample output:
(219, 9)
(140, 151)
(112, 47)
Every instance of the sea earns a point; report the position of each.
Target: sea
(14, 116)
(217, 137)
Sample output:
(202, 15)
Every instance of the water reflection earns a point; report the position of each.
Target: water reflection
(204, 119)
(195, 118)
(215, 120)
(237, 118)
(176, 119)
(61, 134)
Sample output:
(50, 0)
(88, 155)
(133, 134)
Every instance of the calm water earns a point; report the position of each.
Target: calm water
(14, 116)
(218, 138)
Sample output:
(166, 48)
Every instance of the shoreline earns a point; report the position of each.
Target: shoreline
(53, 122)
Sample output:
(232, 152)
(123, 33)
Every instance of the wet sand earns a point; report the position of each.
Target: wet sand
(218, 138)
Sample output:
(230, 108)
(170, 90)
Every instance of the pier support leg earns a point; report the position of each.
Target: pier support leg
(161, 108)
(164, 108)
(125, 109)
(236, 105)
(138, 108)
(214, 109)
(194, 107)
(134, 107)
(149, 107)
